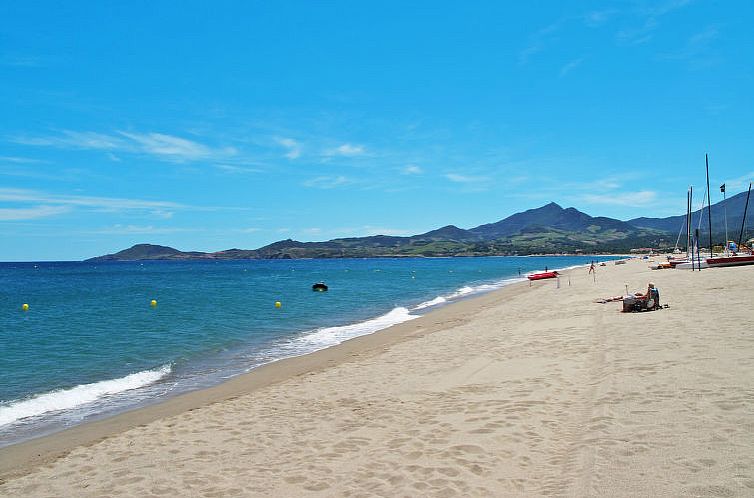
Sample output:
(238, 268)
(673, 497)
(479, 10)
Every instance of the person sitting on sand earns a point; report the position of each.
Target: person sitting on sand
(650, 288)
(635, 295)
(651, 299)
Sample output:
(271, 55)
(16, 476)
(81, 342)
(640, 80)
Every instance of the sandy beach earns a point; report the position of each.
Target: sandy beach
(526, 391)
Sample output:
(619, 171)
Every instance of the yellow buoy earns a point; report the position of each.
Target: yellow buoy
(25, 307)
(153, 303)
(278, 304)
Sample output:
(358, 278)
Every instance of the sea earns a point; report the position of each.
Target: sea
(91, 344)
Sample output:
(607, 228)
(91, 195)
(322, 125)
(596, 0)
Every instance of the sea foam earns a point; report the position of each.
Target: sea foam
(330, 336)
(66, 399)
(464, 291)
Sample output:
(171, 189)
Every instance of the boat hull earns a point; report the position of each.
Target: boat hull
(543, 275)
(696, 265)
(730, 261)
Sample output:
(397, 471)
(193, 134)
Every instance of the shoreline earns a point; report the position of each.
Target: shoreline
(418, 310)
(41, 450)
(527, 390)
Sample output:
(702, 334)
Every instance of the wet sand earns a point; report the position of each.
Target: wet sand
(525, 391)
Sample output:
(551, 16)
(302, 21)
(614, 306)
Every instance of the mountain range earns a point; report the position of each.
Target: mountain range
(547, 229)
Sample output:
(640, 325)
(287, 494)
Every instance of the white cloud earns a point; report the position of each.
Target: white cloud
(161, 213)
(412, 169)
(598, 17)
(140, 229)
(175, 148)
(698, 51)
(539, 40)
(643, 198)
(294, 148)
(570, 66)
(346, 150)
(456, 178)
(75, 140)
(740, 183)
(46, 204)
(649, 19)
(19, 160)
(159, 145)
(328, 182)
(105, 203)
(13, 214)
(230, 168)
(313, 231)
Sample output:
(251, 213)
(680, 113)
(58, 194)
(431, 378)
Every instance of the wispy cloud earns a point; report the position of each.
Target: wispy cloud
(739, 183)
(101, 203)
(174, 148)
(13, 214)
(231, 168)
(346, 150)
(457, 178)
(697, 51)
(642, 198)
(412, 169)
(570, 66)
(540, 40)
(75, 140)
(328, 182)
(44, 204)
(158, 145)
(597, 18)
(162, 213)
(140, 229)
(648, 21)
(293, 146)
(19, 160)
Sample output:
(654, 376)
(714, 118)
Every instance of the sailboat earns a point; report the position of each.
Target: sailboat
(695, 261)
(675, 261)
(734, 259)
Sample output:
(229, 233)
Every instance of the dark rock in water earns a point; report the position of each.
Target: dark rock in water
(319, 287)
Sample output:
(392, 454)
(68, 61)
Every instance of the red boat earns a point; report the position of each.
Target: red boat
(542, 275)
(737, 260)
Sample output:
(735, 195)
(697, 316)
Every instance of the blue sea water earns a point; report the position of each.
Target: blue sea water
(91, 345)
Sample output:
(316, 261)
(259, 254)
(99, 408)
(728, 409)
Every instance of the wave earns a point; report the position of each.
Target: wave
(330, 336)
(431, 302)
(463, 292)
(66, 399)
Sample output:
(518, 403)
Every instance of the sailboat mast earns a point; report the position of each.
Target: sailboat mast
(743, 222)
(688, 220)
(725, 217)
(709, 206)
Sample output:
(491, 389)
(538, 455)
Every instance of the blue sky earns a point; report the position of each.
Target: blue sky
(211, 125)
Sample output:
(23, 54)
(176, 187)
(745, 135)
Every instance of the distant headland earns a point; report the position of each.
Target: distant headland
(550, 229)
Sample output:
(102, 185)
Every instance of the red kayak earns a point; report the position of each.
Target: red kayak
(542, 275)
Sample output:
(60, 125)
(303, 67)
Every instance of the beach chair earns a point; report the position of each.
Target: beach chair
(651, 302)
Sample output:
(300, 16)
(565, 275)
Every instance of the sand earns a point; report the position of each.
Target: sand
(526, 391)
